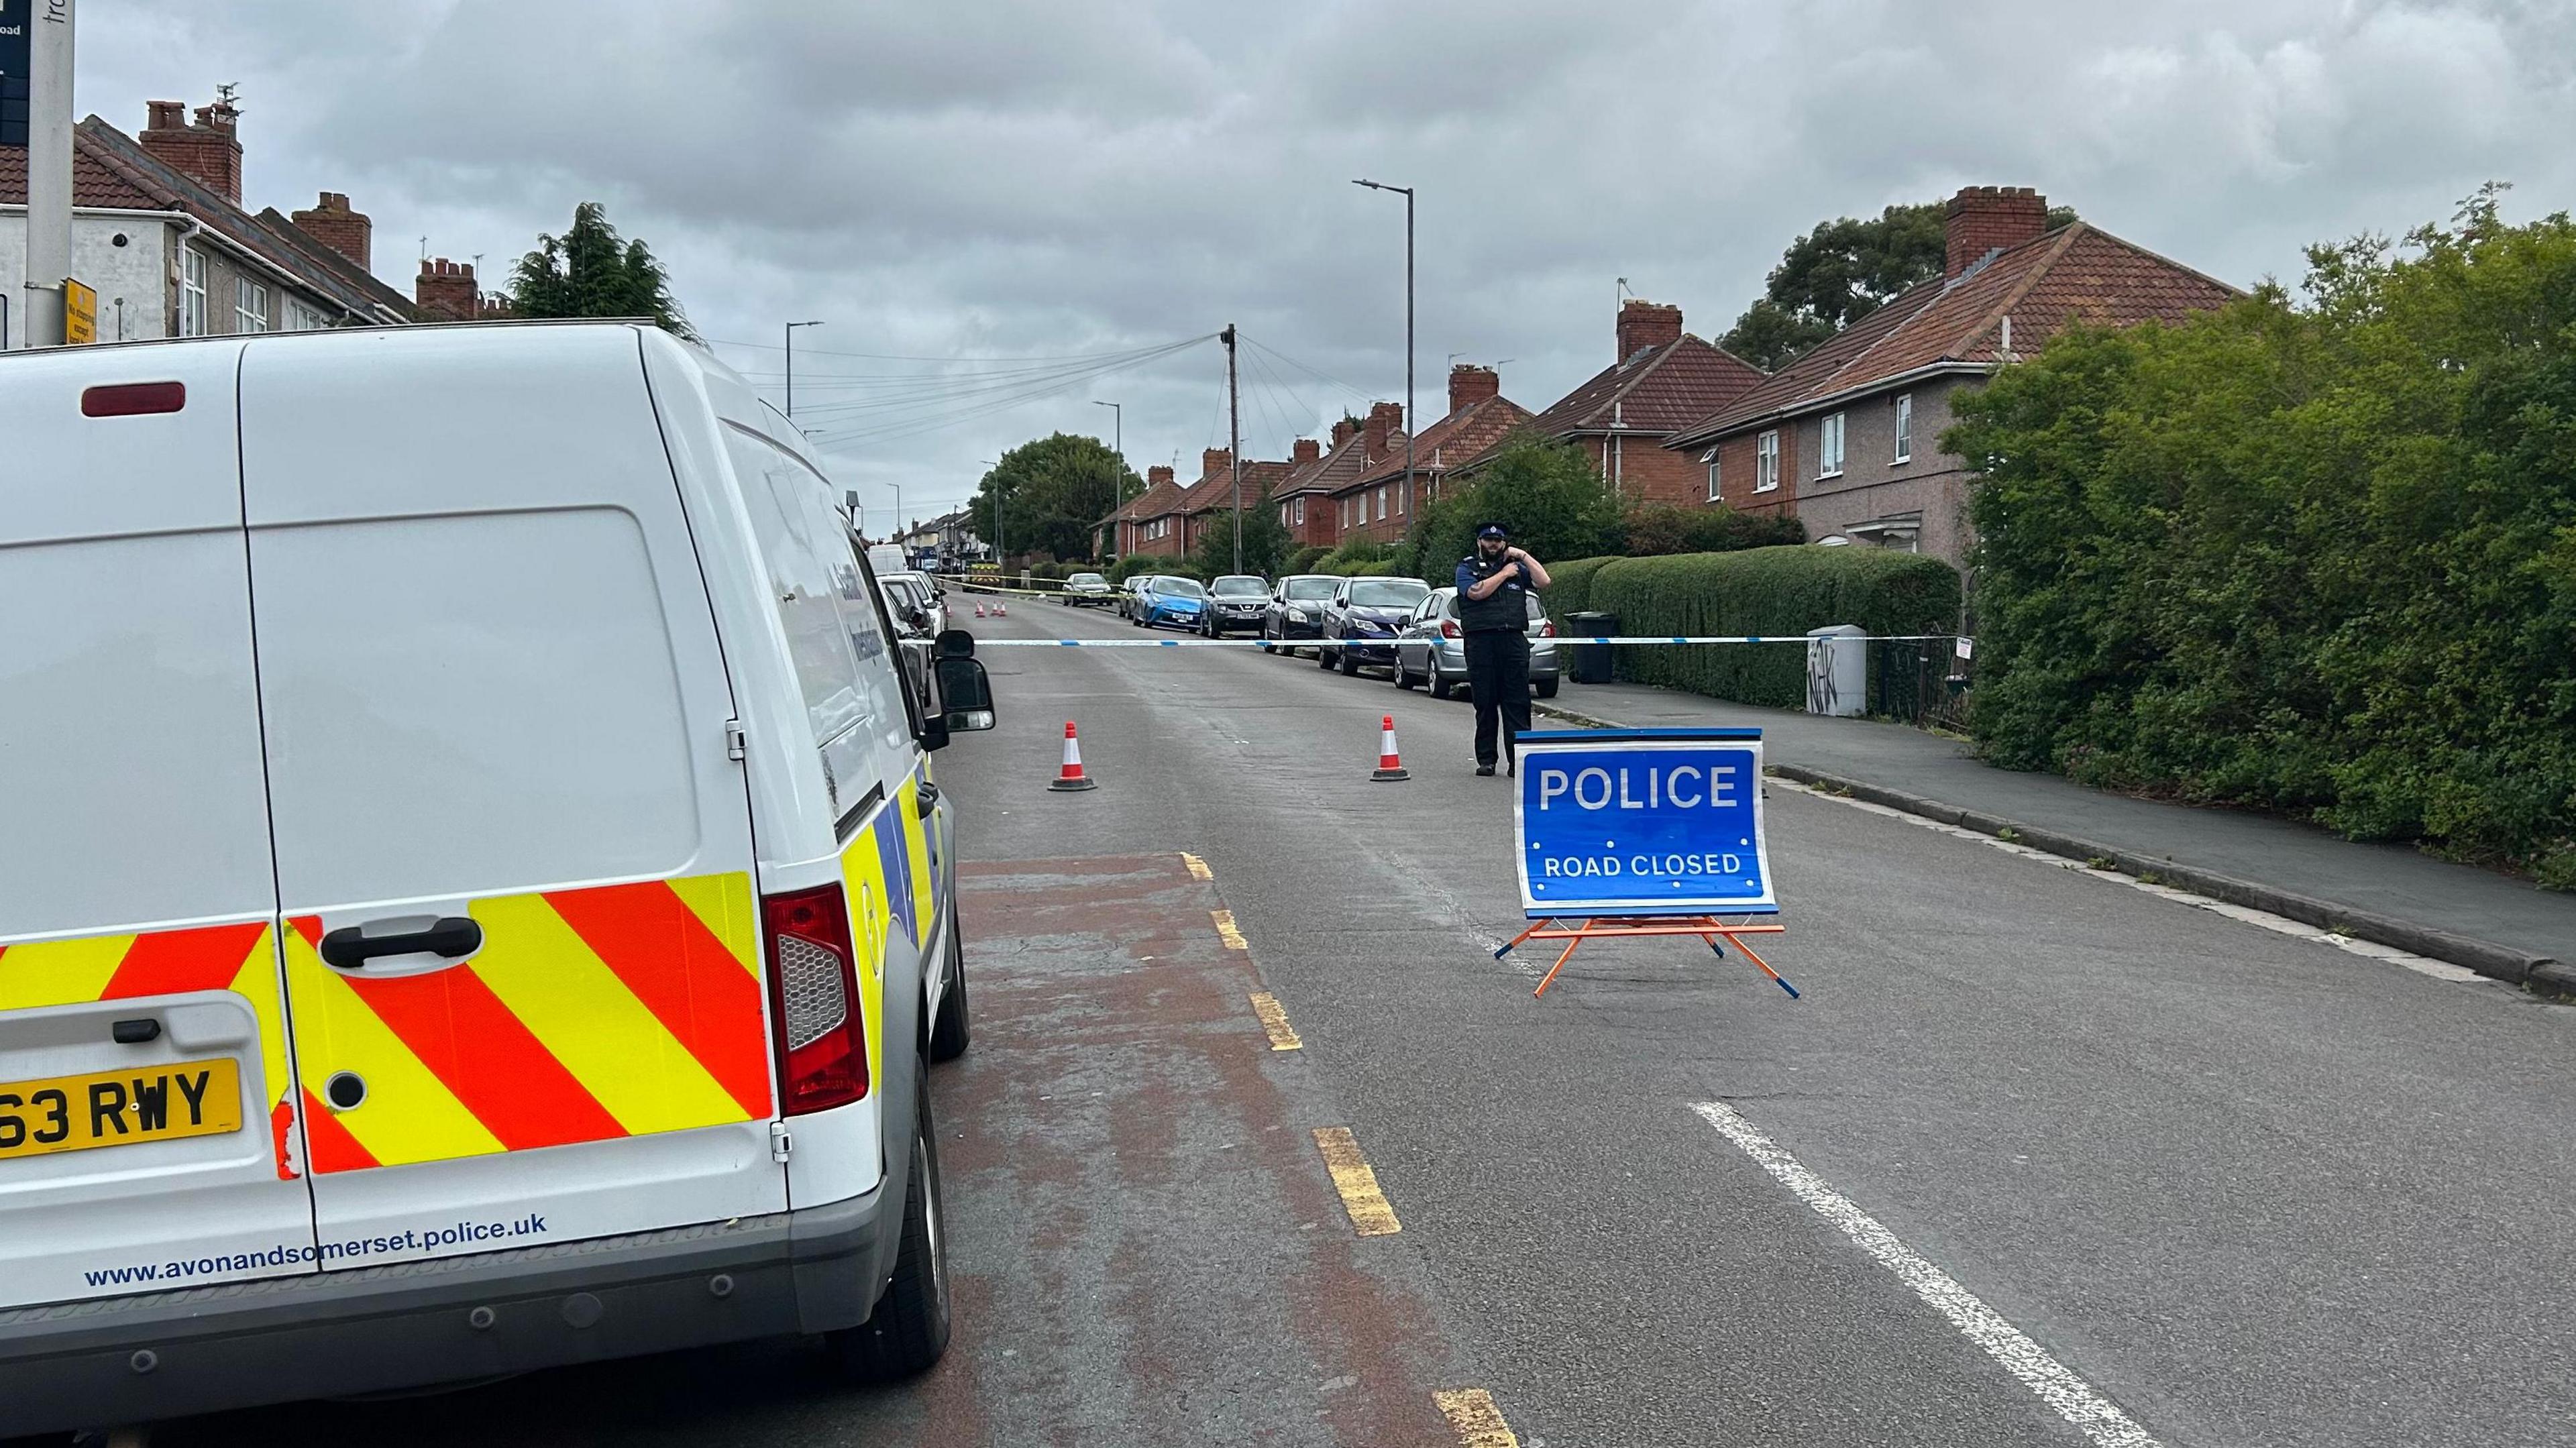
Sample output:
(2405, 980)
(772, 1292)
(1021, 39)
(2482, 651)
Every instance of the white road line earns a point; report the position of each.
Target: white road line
(2096, 1416)
(2262, 919)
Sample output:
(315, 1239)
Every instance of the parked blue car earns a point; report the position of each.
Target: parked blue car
(1167, 602)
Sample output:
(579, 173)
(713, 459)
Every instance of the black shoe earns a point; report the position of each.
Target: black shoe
(1514, 766)
(1484, 769)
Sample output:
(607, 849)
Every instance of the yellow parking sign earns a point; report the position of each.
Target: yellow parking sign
(80, 314)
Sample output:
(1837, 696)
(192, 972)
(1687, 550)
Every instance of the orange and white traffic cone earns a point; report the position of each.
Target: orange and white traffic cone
(1001, 609)
(1071, 777)
(979, 610)
(1389, 767)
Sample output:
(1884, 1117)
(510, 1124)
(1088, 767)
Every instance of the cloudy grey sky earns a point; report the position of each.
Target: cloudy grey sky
(1053, 178)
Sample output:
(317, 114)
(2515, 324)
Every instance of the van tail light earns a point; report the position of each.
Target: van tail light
(1449, 628)
(814, 997)
(133, 399)
(1547, 628)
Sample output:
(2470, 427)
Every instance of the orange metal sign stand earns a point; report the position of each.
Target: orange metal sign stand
(1708, 928)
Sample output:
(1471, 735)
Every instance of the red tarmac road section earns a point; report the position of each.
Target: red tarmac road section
(1146, 1245)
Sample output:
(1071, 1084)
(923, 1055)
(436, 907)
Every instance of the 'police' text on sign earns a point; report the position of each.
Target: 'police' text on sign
(1642, 822)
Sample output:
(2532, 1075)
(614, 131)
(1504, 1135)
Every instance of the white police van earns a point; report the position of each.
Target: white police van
(472, 892)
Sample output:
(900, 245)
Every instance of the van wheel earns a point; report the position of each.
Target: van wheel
(950, 1033)
(909, 1329)
(1544, 688)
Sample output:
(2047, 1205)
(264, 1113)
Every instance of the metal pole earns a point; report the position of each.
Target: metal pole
(1118, 475)
(1234, 441)
(49, 171)
(1409, 429)
(791, 365)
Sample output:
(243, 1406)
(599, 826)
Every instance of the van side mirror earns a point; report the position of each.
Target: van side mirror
(965, 694)
(955, 643)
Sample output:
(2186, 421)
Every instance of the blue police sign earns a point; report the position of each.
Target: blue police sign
(1642, 822)
(16, 54)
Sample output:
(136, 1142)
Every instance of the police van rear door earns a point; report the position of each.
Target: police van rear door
(513, 844)
(145, 1091)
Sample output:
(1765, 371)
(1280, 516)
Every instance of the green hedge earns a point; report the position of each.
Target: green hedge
(1569, 589)
(1135, 563)
(1773, 592)
(1304, 559)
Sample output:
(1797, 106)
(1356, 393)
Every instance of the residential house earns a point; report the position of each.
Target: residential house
(1663, 379)
(1313, 501)
(1121, 533)
(160, 233)
(1847, 436)
(1158, 515)
(1215, 492)
(1359, 510)
(1479, 417)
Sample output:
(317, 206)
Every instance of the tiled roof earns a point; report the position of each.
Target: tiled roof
(2076, 271)
(1454, 439)
(1339, 468)
(1217, 492)
(1658, 390)
(94, 182)
(1154, 502)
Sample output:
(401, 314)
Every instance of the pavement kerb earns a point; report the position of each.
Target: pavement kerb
(2487, 958)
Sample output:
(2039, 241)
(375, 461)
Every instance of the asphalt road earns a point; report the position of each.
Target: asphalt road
(2041, 1148)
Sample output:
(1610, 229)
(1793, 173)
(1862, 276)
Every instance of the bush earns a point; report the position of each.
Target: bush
(1304, 559)
(1355, 555)
(1135, 563)
(1770, 592)
(1656, 530)
(1548, 494)
(2317, 556)
(1569, 589)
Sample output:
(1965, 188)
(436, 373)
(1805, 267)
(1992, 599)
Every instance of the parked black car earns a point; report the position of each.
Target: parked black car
(1235, 602)
(1360, 623)
(1296, 611)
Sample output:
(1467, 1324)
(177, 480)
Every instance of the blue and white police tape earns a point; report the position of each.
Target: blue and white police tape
(1383, 640)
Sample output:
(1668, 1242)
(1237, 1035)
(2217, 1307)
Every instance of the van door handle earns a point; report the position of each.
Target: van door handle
(349, 947)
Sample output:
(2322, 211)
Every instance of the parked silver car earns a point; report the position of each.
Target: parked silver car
(1431, 648)
(1085, 590)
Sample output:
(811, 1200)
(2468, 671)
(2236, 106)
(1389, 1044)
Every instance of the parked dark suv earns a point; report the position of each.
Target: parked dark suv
(1296, 611)
(1235, 602)
(1360, 622)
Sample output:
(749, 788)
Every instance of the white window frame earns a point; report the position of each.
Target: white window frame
(1904, 428)
(1766, 462)
(1710, 458)
(250, 306)
(1829, 446)
(1301, 513)
(1381, 502)
(192, 292)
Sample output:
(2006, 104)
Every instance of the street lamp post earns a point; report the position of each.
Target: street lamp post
(1409, 429)
(791, 365)
(1118, 477)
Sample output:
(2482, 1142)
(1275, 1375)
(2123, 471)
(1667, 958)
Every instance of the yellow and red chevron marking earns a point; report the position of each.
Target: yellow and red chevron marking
(240, 957)
(588, 1015)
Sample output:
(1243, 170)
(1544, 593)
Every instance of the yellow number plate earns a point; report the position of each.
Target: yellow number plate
(119, 1108)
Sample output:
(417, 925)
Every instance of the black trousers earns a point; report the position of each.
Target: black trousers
(1498, 680)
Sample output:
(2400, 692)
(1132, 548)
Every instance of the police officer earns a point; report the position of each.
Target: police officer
(1493, 609)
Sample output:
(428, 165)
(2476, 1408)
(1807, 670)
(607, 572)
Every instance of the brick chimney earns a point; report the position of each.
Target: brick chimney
(206, 152)
(1216, 462)
(333, 224)
(1385, 420)
(1157, 476)
(1644, 324)
(1343, 431)
(1306, 451)
(446, 292)
(1470, 384)
(1984, 218)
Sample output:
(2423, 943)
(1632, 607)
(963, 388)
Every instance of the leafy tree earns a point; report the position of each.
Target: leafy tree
(1549, 494)
(1840, 272)
(590, 271)
(2314, 554)
(1266, 543)
(1052, 490)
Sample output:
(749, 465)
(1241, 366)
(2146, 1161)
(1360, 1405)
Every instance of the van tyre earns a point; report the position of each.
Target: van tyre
(909, 1329)
(954, 1028)
(1544, 688)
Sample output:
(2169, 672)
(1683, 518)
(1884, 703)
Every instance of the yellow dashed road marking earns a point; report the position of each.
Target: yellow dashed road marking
(1479, 1423)
(1274, 1019)
(1370, 1214)
(1198, 867)
(1226, 932)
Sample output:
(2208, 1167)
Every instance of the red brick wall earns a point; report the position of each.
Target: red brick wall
(206, 151)
(333, 224)
(1735, 461)
(1982, 218)
(1644, 324)
(1649, 472)
(445, 291)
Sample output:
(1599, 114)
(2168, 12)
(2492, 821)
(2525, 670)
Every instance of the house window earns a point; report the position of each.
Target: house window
(1381, 502)
(250, 307)
(1766, 462)
(1403, 496)
(1710, 457)
(192, 306)
(1283, 515)
(1829, 447)
(1905, 427)
(1301, 513)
